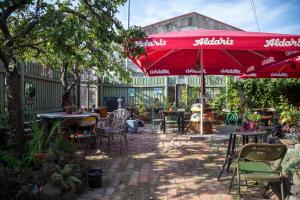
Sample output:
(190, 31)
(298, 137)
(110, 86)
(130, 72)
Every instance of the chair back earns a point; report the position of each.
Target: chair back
(232, 118)
(122, 114)
(88, 121)
(263, 152)
(119, 118)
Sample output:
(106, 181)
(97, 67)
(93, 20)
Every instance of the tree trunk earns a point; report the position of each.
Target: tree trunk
(77, 74)
(15, 110)
(66, 97)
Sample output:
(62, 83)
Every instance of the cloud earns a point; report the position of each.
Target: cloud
(271, 14)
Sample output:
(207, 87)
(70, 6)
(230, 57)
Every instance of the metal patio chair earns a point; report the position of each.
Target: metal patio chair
(253, 164)
(116, 126)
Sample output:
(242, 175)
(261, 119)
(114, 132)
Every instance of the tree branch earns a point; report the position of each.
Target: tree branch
(73, 12)
(4, 15)
(29, 44)
(10, 10)
(91, 8)
(5, 30)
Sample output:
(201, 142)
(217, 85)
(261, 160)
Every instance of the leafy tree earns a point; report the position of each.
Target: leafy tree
(258, 93)
(68, 35)
(18, 20)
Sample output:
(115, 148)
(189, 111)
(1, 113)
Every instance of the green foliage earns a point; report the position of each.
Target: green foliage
(253, 117)
(64, 178)
(40, 141)
(219, 101)
(189, 97)
(257, 93)
(291, 162)
(8, 160)
(229, 97)
(260, 93)
(63, 33)
(142, 108)
(288, 113)
(63, 146)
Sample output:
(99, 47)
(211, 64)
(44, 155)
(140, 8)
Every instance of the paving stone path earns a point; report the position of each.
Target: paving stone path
(160, 166)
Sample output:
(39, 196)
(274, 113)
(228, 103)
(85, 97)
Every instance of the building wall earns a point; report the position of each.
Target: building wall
(187, 22)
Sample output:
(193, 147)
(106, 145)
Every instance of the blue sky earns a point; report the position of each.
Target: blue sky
(278, 16)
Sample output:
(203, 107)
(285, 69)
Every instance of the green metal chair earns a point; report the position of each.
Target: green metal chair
(171, 120)
(253, 164)
(156, 118)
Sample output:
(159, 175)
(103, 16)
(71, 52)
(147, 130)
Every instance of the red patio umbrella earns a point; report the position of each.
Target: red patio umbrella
(213, 52)
(286, 69)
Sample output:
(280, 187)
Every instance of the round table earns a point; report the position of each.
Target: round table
(48, 118)
(64, 115)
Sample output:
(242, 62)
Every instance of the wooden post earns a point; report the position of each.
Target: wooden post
(166, 92)
(78, 82)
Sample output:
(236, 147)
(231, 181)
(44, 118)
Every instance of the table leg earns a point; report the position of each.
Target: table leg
(231, 153)
(227, 156)
(179, 123)
(164, 123)
(182, 122)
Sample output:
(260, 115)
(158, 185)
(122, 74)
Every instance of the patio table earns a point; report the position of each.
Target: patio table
(180, 119)
(231, 145)
(64, 115)
(48, 118)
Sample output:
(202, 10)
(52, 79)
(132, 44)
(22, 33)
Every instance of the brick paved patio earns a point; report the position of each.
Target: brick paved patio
(160, 166)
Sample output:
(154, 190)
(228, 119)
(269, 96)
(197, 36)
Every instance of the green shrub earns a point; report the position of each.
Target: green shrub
(63, 146)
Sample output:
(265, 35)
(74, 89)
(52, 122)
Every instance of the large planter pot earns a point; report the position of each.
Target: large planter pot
(253, 125)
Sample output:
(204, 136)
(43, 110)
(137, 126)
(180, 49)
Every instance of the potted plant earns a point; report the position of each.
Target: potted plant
(39, 144)
(64, 178)
(253, 119)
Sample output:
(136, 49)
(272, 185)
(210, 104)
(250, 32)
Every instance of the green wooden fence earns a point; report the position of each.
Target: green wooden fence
(46, 85)
(145, 89)
(48, 89)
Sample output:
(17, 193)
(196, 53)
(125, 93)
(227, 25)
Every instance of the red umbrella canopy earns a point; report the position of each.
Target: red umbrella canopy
(286, 69)
(217, 51)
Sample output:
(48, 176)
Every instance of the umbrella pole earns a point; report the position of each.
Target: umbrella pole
(201, 93)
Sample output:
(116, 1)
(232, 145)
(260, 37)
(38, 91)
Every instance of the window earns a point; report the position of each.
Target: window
(190, 21)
